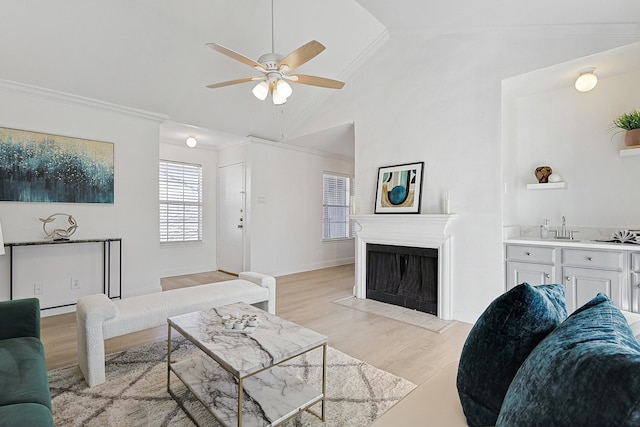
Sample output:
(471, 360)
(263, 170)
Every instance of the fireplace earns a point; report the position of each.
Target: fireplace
(424, 231)
(404, 276)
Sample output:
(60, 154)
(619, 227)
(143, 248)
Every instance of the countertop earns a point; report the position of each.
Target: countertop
(584, 244)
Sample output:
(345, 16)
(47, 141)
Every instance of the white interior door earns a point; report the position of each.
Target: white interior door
(231, 217)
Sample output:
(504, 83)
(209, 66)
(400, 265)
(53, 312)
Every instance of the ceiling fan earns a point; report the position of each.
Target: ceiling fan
(275, 69)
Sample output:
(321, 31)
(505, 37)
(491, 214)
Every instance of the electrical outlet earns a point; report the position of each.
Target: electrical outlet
(38, 289)
(75, 283)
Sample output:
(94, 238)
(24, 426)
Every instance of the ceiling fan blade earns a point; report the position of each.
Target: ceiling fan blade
(233, 82)
(316, 81)
(302, 54)
(235, 55)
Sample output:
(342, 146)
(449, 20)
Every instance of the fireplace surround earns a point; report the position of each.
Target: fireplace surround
(420, 231)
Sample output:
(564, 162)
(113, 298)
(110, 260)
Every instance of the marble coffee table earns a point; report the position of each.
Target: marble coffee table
(236, 374)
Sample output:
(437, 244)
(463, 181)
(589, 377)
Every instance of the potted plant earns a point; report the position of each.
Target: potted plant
(630, 122)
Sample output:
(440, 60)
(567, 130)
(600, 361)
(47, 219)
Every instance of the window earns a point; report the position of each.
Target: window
(336, 190)
(180, 202)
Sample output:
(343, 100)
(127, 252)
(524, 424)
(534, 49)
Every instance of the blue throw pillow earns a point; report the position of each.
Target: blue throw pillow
(500, 341)
(585, 373)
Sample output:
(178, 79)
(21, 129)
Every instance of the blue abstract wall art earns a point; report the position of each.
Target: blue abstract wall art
(399, 188)
(39, 167)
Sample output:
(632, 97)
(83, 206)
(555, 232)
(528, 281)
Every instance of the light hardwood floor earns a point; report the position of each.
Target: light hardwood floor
(306, 298)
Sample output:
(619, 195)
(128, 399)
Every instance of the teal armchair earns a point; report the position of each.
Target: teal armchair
(25, 399)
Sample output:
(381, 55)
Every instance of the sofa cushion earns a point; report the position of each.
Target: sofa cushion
(20, 318)
(500, 341)
(23, 372)
(586, 372)
(26, 415)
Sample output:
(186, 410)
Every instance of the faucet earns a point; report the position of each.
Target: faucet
(563, 233)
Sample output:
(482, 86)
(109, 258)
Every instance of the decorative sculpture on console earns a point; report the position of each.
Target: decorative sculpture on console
(59, 233)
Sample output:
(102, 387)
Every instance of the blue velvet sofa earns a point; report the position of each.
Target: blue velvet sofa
(25, 399)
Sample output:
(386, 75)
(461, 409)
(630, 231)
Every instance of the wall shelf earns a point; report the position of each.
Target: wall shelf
(632, 151)
(548, 186)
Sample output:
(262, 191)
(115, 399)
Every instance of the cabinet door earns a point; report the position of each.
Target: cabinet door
(634, 289)
(634, 282)
(582, 284)
(533, 274)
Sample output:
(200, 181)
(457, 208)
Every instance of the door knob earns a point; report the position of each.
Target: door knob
(240, 226)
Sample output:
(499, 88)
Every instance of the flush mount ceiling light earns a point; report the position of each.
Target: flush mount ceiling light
(191, 142)
(274, 69)
(586, 80)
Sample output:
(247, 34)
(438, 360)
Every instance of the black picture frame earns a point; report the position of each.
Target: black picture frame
(399, 188)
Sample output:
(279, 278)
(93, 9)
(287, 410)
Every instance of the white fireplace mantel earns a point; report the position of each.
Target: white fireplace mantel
(420, 230)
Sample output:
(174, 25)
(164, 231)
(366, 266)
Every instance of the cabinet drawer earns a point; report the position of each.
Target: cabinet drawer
(537, 254)
(609, 260)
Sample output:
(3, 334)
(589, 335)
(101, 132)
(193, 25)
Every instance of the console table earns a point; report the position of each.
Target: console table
(106, 263)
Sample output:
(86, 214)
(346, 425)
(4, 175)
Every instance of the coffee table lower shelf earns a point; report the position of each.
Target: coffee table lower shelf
(270, 397)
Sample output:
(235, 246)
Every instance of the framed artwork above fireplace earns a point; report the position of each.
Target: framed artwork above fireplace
(399, 188)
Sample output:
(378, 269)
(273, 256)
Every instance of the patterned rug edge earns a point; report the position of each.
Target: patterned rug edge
(135, 391)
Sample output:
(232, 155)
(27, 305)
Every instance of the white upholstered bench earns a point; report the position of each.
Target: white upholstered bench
(99, 318)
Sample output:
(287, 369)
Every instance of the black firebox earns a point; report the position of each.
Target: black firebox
(404, 276)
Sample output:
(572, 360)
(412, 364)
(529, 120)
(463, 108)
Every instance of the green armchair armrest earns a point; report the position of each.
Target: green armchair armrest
(20, 318)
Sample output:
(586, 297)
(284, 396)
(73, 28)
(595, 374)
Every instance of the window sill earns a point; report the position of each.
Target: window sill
(339, 239)
(181, 243)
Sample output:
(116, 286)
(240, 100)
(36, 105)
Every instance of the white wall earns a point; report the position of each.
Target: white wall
(286, 200)
(571, 132)
(441, 104)
(186, 258)
(135, 136)
(284, 203)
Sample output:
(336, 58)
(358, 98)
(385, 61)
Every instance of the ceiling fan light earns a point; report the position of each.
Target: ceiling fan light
(261, 90)
(277, 97)
(191, 142)
(284, 88)
(587, 80)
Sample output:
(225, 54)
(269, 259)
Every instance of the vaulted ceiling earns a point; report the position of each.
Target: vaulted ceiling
(151, 54)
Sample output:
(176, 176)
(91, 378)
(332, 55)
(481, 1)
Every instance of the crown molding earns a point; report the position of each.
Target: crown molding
(284, 145)
(54, 95)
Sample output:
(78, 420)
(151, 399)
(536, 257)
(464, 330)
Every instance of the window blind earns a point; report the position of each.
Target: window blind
(335, 207)
(180, 202)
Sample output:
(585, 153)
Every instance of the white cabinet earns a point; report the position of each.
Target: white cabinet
(585, 272)
(533, 274)
(532, 264)
(589, 272)
(582, 284)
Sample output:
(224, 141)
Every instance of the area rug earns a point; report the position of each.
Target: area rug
(135, 393)
(401, 314)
